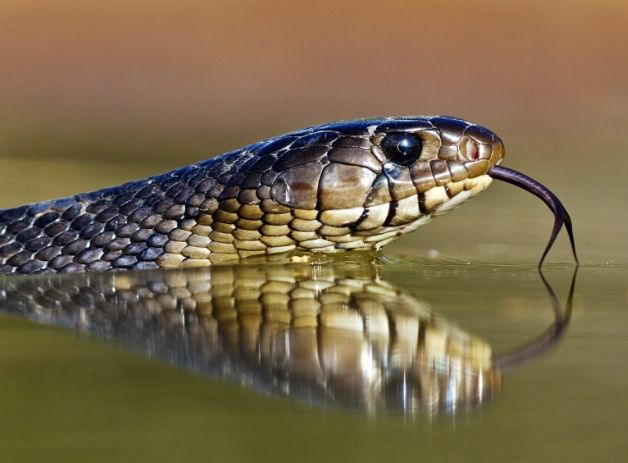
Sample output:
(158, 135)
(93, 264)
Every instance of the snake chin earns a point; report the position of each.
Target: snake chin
(413, 212)
(472, 188)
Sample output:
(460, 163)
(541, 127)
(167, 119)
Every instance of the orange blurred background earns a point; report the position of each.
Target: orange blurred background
(159, 84)
(200, 68)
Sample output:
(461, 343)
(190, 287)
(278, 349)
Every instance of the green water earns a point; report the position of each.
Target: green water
(65, 396)
(70, 397)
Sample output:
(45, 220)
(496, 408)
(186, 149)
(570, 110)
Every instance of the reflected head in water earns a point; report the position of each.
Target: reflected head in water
(334, 335)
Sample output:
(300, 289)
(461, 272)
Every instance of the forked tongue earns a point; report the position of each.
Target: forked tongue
(561, 217)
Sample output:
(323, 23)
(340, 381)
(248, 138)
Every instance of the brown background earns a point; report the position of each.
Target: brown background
(150, 85)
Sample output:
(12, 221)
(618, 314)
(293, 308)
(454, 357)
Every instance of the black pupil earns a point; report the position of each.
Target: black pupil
(402, 148)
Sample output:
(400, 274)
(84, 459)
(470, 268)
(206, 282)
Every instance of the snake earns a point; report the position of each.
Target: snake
(343, 186)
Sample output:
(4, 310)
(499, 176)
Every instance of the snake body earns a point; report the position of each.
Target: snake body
(330, 188)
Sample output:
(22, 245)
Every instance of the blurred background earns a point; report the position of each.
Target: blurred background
(97, 93)
(93, 94)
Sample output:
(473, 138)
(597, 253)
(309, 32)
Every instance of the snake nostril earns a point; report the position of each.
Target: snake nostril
(469, 149)
(474, 152)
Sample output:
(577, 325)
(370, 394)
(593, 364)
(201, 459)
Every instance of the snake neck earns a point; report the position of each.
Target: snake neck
(142, 224)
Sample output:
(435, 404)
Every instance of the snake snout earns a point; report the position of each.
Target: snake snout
(497, 151)
(473, 146)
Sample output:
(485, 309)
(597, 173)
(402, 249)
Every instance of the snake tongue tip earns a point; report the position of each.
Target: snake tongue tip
(572, 240)
(561, 216)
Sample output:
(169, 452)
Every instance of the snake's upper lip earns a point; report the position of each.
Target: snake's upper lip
(489, 155)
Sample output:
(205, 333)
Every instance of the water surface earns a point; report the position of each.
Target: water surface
(79, 397)
(66, 395)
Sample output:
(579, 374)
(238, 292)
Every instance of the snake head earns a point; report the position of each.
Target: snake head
(434, 159)
(362, 183)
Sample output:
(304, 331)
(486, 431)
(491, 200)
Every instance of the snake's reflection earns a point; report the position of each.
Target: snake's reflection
(334, 335)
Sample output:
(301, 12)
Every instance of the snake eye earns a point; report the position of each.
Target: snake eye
(402, 148)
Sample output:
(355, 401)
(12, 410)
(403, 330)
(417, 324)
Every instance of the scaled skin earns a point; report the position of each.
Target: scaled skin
(327, 189)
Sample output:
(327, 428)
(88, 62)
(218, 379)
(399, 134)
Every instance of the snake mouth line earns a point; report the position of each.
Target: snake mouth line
(561, 216)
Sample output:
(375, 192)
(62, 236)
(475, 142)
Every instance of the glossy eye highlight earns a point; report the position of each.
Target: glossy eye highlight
(402, 148)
